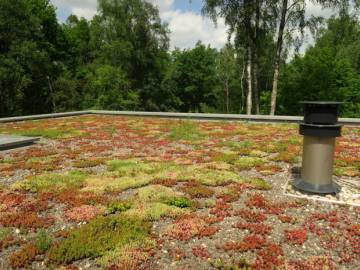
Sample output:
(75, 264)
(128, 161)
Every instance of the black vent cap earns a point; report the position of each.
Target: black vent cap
(321, 112)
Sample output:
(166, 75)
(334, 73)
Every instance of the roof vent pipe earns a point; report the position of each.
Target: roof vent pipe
(320, 129)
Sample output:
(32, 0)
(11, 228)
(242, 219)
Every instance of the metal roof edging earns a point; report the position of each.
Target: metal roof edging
(196, 116)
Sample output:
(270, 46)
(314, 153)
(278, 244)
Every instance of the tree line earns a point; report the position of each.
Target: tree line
(120, 59)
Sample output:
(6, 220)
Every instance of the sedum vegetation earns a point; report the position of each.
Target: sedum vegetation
(54, 182)
(186, 130)
(123, 193)
(121, 60)
(100, 236)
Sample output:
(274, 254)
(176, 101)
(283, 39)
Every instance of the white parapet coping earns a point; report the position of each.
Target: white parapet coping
(206, 116)
(198, 116)
(42, 116)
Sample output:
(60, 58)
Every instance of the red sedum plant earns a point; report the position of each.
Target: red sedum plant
(296, 237)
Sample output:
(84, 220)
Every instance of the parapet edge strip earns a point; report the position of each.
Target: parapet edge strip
(195, 116)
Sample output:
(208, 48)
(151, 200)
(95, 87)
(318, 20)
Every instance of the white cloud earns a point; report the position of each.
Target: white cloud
(88, 8)
(313, 9)
(188, 27)
(90, 4)
(318, 10)
(163, 5)
(81, 8)
(87, 13)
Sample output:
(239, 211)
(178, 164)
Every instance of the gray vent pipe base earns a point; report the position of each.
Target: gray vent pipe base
(300, 184)
(317, 166)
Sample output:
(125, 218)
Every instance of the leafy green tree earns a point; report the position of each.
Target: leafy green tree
(250, 23)
(77, 37)
(130, 35)
(13, 81)
(194, 78)
(330, 70)
(229, 70)
(13, 30)
(67, 93)
(120, 60)
(68, 87)
(290, 17)
(108, 88)
(28, 53)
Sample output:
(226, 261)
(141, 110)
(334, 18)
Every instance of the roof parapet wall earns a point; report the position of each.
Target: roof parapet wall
(194, 116)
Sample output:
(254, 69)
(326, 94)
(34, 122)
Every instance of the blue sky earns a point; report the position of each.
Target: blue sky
(195, 5)
(63, 13)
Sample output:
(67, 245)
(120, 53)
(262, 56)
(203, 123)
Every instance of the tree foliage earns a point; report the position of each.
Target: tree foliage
(29, 49)
(120, 60)
(330, 70)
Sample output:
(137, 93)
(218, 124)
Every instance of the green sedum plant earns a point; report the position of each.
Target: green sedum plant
(98, 237)
(180, 202)
(129, 167)
(187, 131)
(246, 163)
(43, 241)
(152, 211)
(117, 207)
(4, 232)
(52, 182)
(48, 133)
(259, 183)
(156, 193)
